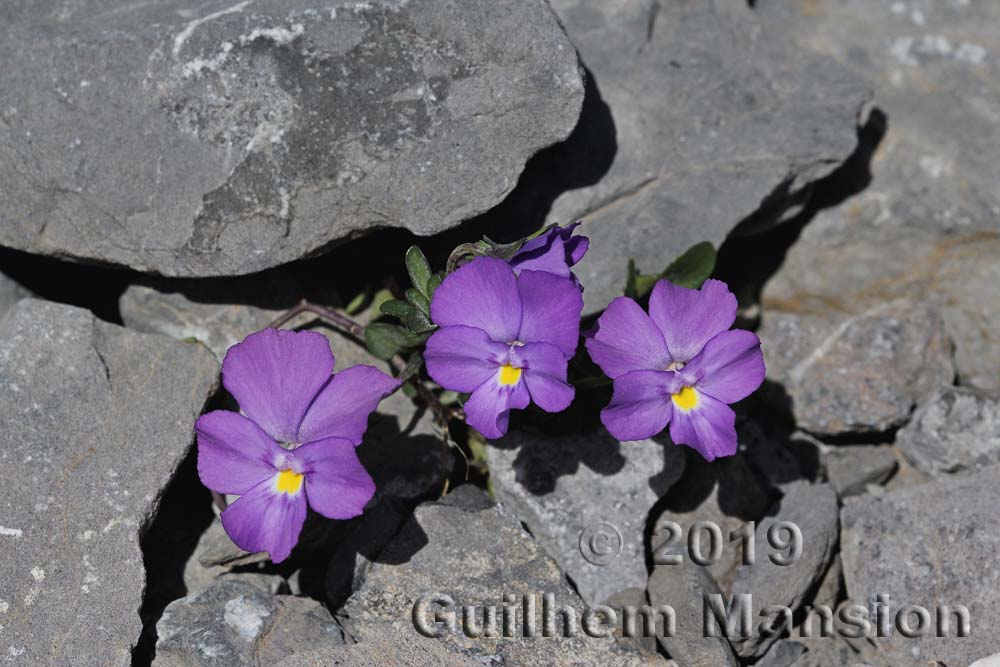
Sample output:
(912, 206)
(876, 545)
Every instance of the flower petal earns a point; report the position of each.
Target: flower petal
(234, 454)
(729, 368)
(488, 408)
(462, 358)
(275, 375)
(625, 339)
(551, 314)
(689, 318)
(544, 253)
(640, 407)
(481, 294)
(342, 407)
(337, 485)
(709, 428)
(265, 519)
(544, 375)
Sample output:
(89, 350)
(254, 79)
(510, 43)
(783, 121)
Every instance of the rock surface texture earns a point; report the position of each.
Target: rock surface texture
(248, 134)
(931, 545)
(585, 499)
(96, 420)
(927, 227)
(706, 116)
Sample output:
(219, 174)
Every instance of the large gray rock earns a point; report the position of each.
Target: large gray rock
(850, 469)
(862, 375)
(813, 510)
(957, 429)
(928, 225)
(10, 293)
(586, 499)
(931, 545)
(711, 116)
(96, 421)
(248, 134)
(471, 551)
(234, 623)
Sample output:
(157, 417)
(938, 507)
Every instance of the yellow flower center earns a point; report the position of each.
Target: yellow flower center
(686, 399)
(289, 482)
(509, 375)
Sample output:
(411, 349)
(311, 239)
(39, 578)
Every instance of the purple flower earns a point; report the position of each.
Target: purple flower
(293, 444)
(505, 339)
(680, 364)
(555, 251)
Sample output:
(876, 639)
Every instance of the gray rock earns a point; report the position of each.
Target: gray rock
(10, 293)
(96, 421)
(784, 653)
(586, 499)
(708, 117)
(956, 429)
(812, 508)
(850, 469)
(927, 225)
(235, 623)
(474, 553)
(382, 645)
(931, 545)
(726, 493)
(864, 375)
(685, 587)
(254, 134)
(830, 586)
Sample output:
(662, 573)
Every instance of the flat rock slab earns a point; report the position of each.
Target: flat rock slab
(864, 374)
(955, 430)
(927, 227)
(382, 645)
(706, 116)
(468, 549)
(850, 469)
(931, 545)
(249, 134)
(96, 420)
(586, 499)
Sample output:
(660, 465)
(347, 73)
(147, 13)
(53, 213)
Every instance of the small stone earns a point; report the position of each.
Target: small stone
(586, 499)
(812, 509)
(235, 623)
(957, 429)
(467, 553)
(254, 134)
(931, 545)
(850, 469)
(864, 375)
(97, 419)
(685, 587)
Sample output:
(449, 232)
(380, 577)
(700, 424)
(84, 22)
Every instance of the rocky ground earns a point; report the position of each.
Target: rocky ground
(173, 176)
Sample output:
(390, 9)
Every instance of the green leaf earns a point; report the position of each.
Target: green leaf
(693, 267)
(417, 322)
(419, 300)
(434, 283)
(448, 397)
(409, 390)
(631, 273)
(358, 303)
(380, 297)
(418, 268)
(396, 308)
(385, 340)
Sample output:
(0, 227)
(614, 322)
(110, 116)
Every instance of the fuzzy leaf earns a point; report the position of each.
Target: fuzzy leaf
(693, 267)
(418, 268)
(385, 340)
(396, 308)
(418, 299)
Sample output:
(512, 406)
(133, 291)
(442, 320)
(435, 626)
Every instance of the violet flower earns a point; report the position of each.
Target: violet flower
(555, 251)
(293, 444)
(680, 364)
(505, 339)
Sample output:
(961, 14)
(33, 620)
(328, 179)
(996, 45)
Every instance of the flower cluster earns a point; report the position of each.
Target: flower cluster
(292, 445)
(500, 329)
